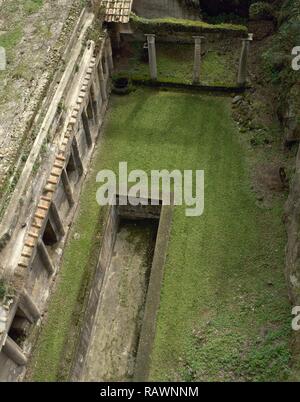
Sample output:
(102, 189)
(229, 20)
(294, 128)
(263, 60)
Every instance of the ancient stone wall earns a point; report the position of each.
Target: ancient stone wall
(32, 253)
(108, 241)
(164, 8)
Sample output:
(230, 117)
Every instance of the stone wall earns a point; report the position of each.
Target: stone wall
(292, 263)
(160, 213)
(108, 241)
(32, 254)
(292, 218)
(164, 8)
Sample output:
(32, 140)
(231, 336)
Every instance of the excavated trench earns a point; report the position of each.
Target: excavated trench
(129, 261)
(118, 320)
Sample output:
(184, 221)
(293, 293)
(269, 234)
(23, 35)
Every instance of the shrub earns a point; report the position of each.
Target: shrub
(261, 11)
(170, 25)
(2, 289)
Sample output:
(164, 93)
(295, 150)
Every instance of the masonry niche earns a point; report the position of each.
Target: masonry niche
(20, 327)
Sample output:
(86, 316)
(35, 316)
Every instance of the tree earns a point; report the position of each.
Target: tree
(215, 7)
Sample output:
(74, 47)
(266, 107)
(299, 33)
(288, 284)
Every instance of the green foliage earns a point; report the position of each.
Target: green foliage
(216, 7)
(192, 3)
(2, 289)
(161, 25)
(32, 6)
(277, 59)
(10, 39)
(290, 11)
(229, 18)
(261, 11)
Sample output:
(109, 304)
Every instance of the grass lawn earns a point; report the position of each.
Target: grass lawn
(175, 63)
(224, 311)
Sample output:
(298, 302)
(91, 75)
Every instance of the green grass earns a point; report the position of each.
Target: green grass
(10, 39)
(175, 64)
(224, 311)
(32, 6)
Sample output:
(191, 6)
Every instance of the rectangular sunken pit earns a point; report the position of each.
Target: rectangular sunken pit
(120, 319)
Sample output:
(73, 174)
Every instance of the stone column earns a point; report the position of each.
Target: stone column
(152, 56)
(117, 35)
(102, 81)
(2, 59)
(87, 131)
(67, 186)
(197, 59)
(77, 158)
(243, 65)
(58, 222)
(28, 307)
(109, 56)
(98, 91)
(44, 255)
(14, 352)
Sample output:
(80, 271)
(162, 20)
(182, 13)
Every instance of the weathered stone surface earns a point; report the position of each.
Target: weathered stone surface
(292, 218)
(273, 178)
(291, 116)
(2, 59)
(237, 100)
(165, 8)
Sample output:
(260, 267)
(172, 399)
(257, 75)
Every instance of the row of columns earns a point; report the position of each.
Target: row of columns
(243, 63)
(98, 91)
(25, 303)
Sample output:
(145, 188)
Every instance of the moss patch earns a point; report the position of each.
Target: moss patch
(168, 25)
(32, 6)
(9, 39)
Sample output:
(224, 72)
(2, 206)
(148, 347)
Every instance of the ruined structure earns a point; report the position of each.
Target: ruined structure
(38, 215)
(37, 219)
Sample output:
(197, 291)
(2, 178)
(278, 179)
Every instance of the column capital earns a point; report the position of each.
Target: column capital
(249, 38)
(150, 38)
(198, 39)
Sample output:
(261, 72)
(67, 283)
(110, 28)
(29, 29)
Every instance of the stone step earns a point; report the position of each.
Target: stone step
(45, 207)
(61, 158)
(49, 188)
(56, 171)
(44, 198)
(58, 165)
(52, 181)
(36, 225)
(29, 244)
(26, 254)
(65, 141)
(40, 214)
(63, 148)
